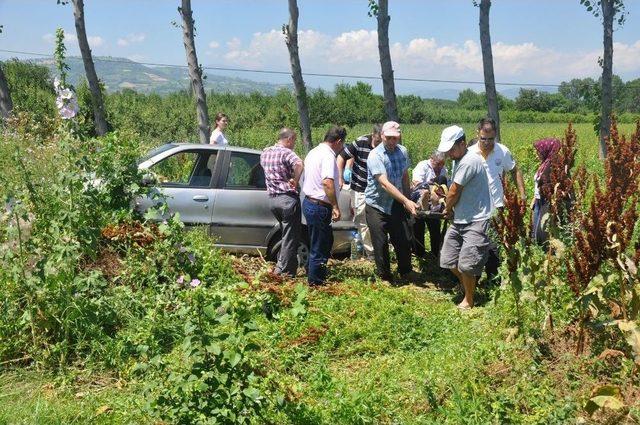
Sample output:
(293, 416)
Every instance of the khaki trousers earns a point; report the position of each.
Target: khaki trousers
(360, 220)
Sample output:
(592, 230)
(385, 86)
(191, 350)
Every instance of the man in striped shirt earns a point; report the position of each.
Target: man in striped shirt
(358, 152)
(282, 170)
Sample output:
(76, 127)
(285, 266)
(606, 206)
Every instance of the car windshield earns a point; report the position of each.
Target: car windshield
(156, 151)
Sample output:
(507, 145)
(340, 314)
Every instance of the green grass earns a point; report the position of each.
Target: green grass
(33, 397)
(358, 352)
(423, 139)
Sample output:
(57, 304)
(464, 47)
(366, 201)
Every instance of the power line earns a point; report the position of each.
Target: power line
(311, 74)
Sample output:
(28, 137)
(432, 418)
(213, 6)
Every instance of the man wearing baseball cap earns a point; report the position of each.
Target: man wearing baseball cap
(466, 244)
(387, 203)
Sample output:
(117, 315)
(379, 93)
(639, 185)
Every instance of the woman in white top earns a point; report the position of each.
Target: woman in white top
(217, 135)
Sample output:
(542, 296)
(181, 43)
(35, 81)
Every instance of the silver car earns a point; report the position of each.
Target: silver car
(223, 188)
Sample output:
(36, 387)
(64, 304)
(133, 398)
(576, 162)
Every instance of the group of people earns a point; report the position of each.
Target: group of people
(387, 204)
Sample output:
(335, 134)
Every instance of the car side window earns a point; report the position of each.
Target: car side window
(186, 169)
(245, 172)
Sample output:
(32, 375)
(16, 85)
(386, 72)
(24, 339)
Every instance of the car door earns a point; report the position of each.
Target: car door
(241, 215)
(185, 183)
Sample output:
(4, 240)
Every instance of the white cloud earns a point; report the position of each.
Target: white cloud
(214, 44)
(71, 40)
(131, 39)
(626, 57)
(356, 52)
(95, 41)
(69, 37)
(235, 43)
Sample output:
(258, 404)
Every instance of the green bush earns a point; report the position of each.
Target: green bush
(209, 377)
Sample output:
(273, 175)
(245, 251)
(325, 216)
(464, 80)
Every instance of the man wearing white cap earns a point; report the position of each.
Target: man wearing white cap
(466, 244)
(387, 203)
(497, 160)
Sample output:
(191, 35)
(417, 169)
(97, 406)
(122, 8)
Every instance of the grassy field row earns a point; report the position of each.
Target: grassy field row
(357, 353)
(353, 352)
(423, 139)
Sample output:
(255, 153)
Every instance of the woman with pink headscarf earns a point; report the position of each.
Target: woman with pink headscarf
(546, 149)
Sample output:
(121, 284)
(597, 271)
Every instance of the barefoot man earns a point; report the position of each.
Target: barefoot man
(466, 244)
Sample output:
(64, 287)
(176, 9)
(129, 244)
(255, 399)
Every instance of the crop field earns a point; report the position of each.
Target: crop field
(98, 324)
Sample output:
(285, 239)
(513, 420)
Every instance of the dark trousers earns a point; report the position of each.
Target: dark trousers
(493, 261)
(539, 232)
(286, 209)
(435, 235)
(394, 226)
(318, 218)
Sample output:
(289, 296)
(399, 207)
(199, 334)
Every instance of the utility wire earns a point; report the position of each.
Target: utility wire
(311, 74)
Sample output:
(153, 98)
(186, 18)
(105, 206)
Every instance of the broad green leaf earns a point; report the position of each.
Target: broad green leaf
(606, 396)
(252, 393)
(632, 336)
(214, 348)
(210, 311)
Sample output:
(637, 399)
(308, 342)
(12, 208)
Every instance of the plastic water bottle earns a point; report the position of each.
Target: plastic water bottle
(355, 240)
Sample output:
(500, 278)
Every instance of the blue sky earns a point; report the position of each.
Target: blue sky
(542, 41)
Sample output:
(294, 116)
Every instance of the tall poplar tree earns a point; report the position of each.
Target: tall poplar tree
(195, 72)
(99, 116)
(380, 10)
(609, 10)
(487, 63)
(290, 31)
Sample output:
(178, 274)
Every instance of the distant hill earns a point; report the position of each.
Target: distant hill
(121, 73)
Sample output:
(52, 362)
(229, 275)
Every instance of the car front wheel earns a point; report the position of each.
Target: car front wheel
(303, 251)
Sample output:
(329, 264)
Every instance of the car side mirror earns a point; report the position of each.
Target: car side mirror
(149, 179)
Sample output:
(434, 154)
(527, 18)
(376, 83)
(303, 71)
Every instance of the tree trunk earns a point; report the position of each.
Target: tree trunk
(195, 73)
(291, 34)
(390, 107)
(608, 13)
(97, 102)
(6, 104)
(487, 65)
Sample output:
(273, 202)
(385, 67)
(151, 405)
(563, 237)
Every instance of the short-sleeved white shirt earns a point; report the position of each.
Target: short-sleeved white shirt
(217, 138)
(424, 172)
(497, 163)
(319, 164)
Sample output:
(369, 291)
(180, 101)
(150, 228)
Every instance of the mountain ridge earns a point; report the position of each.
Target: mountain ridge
(119, 73)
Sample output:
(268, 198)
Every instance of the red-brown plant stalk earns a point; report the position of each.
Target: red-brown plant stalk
(605, 229)
(559, 188)
(510, 224)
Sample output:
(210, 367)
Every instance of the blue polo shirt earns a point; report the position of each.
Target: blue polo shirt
(384, 161)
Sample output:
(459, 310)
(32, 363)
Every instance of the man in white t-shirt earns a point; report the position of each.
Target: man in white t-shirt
(320, 205)
(497, 161)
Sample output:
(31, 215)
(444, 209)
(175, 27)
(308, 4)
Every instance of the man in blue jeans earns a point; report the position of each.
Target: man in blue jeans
(320, 205)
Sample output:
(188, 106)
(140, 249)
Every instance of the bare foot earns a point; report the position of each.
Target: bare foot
(465, 306)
